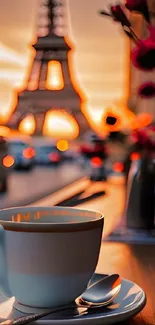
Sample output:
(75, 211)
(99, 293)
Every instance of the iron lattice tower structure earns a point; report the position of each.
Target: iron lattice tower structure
(37, 98)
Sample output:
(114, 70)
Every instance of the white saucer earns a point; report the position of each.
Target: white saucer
(128, 303)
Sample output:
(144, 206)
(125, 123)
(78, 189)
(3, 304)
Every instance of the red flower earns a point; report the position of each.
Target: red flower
(139, 137)
(143, 56)
(147, 90)
(140, 6)
(145, 138)
(151, 136)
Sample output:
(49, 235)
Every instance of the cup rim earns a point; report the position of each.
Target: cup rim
(89, 224)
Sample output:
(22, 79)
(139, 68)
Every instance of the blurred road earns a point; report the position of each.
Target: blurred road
(26, 187)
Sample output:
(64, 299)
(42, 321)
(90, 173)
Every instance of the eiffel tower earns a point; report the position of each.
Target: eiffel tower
(40, 96)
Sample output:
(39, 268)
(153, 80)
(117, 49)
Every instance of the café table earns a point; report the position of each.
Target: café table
(135, 262)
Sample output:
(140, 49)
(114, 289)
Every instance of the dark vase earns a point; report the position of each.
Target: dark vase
(141, 194)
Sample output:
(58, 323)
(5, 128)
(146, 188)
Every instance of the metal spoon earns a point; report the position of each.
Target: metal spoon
(99, 294)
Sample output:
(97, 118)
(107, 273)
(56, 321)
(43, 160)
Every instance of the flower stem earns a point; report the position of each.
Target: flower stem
(132, 34)
(135, 37)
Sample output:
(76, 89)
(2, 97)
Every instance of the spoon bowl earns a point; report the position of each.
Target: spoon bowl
(102, 292)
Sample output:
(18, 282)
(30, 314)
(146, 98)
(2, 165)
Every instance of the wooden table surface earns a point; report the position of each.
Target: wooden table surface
(135, 263)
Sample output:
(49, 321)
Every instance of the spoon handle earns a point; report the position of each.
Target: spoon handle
(30, 318)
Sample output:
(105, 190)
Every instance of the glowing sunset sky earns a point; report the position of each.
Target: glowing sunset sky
(100, 49)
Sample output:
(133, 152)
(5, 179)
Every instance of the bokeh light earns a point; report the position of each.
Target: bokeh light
(60, 125)
(4, 131)
(8, 161)
(27, 125)
(62, 145)
(54, 76)
(118, 167)
(142, 120)
(135, 156)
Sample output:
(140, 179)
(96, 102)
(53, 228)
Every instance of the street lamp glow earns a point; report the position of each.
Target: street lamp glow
(60, 125)
(27, 125)
(54, 76)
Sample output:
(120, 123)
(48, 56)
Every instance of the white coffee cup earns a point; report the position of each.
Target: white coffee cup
(48, 254)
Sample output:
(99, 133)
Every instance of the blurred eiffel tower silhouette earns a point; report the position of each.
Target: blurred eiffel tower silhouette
(52, 51)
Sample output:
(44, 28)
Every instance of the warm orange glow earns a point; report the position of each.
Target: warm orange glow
(73, 73)
(27, 125)
(28, 153)
(7, 105)
(9, 133)
(8, 161)
(75, 82)
(97, 118)
(135, 156)
(116, 284)
(54, 76)
(62, 145)
(11, 56)
(125, 119)
(96, 162)
(59, 124)
(118, 167)
(94, 118)
(15, 134)
(117, 124)
(4, 131)
(142, 120)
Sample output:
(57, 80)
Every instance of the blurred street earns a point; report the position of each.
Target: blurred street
(106, 197)
(26, 187)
